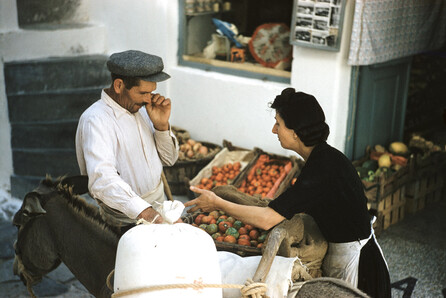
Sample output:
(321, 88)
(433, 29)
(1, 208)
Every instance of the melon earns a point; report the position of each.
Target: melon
(398, 148)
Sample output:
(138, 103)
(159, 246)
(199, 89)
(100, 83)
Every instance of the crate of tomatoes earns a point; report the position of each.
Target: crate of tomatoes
(268, 175)
(230, 234)
(224, 169)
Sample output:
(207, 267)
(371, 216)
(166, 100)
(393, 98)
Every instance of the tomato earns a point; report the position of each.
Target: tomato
(244, 236)
(197, 220)
(232, 231)
(211, 229)
(243, 231)
(216, 235)
(249, 227)
(206, 219)
(230, 239)
(244, 242)
(254, 234)
(220, 238)
(237, 224)
(215, 214)
(223, 226)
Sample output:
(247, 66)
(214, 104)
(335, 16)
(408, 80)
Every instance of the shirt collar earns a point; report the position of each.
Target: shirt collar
(117, 109)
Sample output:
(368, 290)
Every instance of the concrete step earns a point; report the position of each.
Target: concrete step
(39, 162)
(61, 73)
(60, 40)
(40, 135)
(51, 105)
(21, 185)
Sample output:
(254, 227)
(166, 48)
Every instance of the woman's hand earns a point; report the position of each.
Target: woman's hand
(206, 201)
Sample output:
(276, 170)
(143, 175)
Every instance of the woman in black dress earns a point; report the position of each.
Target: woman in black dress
(328, 188)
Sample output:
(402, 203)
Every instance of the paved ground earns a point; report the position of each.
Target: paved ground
(415, 250)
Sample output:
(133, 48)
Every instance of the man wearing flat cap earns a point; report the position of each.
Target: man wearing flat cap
(124, 139)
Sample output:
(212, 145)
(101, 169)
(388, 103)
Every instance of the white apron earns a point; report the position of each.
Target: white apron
(342, 259)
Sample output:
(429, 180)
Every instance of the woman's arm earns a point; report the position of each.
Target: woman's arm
(261, 217)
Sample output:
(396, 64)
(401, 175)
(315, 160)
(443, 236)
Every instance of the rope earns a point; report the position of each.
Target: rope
(108, 282)
(26, 275)
(249, 290)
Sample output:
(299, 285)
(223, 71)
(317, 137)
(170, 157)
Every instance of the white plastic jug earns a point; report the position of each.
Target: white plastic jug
(165, 254)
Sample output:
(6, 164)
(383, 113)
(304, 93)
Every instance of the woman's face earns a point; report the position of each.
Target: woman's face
(287, 137)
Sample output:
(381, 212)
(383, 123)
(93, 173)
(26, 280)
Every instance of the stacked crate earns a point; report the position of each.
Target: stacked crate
(426, 185)
(386, 195)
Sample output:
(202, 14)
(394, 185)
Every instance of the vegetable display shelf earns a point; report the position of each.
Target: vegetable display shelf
(386, 195)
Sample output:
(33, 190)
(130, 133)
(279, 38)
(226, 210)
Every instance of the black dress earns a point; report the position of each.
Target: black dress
(329, 189)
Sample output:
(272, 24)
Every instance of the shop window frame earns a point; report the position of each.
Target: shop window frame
(225, 67)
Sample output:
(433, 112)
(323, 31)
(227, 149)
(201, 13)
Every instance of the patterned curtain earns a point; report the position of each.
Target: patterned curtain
(384, 30)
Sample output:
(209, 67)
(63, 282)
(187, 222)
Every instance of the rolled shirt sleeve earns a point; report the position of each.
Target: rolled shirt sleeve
(167, 146)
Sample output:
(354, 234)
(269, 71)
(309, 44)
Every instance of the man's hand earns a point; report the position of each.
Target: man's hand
(159, 109)
(149, 214)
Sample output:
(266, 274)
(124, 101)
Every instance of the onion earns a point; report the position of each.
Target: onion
(203, 150)
(196, 146)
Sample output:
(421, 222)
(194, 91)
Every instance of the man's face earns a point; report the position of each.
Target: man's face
(138, 96)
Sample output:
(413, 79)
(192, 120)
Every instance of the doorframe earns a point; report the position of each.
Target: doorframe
(355, 78)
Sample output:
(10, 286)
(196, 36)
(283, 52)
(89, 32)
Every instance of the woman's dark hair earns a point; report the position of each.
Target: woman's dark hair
(129, 82)
(302, 113)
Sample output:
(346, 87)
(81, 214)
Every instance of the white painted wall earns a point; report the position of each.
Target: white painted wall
(211, 106)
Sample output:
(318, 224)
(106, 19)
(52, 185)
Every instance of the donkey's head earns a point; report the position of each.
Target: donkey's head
(35, 248)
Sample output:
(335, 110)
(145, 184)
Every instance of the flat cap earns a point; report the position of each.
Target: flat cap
(134, 63)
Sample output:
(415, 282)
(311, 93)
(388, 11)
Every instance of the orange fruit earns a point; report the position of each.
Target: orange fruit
(259, 245)
(230, 239)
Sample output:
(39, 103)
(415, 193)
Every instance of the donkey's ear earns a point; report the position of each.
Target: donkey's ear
(79, 183)
(31, 207)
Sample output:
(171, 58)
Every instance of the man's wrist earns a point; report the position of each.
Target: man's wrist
(162, 127)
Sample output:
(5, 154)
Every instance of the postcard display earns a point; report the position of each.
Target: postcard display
(317, 23)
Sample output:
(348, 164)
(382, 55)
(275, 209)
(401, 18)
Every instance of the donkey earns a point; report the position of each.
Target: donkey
(56, 225)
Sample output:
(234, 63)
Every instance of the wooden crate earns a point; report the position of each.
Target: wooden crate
(427, 183)
(390, 209)
(226, 155)
(296, 165)
(423, 191)
(386, 195)
(178, 174)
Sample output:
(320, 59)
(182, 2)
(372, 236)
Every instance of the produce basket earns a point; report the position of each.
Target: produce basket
(220, 163)
(385, 192)
(186, 166)
(268, 175)
(228, 233)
